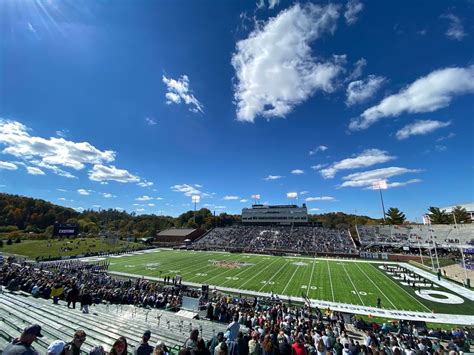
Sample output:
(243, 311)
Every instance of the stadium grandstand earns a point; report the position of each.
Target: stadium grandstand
(414, 236)
(39, 316)
(294, 239)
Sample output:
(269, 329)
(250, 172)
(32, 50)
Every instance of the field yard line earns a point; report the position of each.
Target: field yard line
(271, 278)
(330, 280)
(291, 278)
(205, 267)
(401, 288)
(244, 270)
(258, 273)
(352, 282)
(310, 279)
(383, 293)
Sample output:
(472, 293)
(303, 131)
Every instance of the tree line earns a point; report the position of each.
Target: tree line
(20, 215)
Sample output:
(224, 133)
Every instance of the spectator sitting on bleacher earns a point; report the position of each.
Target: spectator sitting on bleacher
(191, 342)
(144, 348)
(120, 347)
(22, 345)
(56, 347)
(161, 349)
(74, 347)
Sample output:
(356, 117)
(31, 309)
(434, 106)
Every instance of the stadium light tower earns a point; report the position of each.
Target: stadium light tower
(460, 247)
(381, 185)
(195, 199)
(291, 196)
(256, 198)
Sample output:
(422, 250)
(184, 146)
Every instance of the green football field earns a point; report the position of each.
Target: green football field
(320, 279)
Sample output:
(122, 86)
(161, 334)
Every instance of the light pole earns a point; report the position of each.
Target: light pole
(195, 199)
(290, 196)
(256, 198)
(382, 184)
(462, 251)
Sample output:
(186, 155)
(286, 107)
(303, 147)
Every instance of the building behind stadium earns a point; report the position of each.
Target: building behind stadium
(275, 215)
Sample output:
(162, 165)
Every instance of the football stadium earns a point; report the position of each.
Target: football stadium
(236, 177)
(204, 281)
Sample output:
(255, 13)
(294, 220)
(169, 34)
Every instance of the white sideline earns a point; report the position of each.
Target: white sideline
(446, 284)
(342, 307)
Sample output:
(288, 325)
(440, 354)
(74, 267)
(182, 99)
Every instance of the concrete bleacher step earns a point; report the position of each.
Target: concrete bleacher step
(102, 325)
(98, 333)
(132, 328)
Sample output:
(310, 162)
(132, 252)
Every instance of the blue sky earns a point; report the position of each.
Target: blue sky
(141, 104)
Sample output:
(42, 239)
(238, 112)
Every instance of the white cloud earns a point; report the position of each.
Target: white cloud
(321, 198)
(186, 189)
(273, 177)
(358, 68)
(275, 67)
(107, 195)
(440, 148)
(120, 209)
(304, 192)
(178, 90)
(367, 178)
(404, 183)
(314, 209)
(111, 173)
(78, 209)
(53, 168)
(297, 171)
(7, 165)
(54, 151)
(220, 207)
(271, 4)
(151, 205)
(318, 166)
(353, 7)
(198, 186)
(31, 28)
(145, 183)
(34, 171)
(62, 133)
(144, 198)
(151, 121)
(420, 127)
(84, 192)
(321, 148)
(367, 158)
(449, 136)
(62, 190)
(159, 198)
(362, 90)
(140, 210)
(228, 198)
(243, 200)
(456, 28)
(61, 199)
(427, 94)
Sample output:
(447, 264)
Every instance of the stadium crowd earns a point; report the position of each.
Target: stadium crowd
(279, 238)
(255, 326)
(414, 235)
(86, 286)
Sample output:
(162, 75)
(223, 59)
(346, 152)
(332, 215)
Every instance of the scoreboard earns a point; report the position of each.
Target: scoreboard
(65, 230)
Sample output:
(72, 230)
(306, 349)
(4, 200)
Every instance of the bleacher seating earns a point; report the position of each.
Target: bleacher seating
(102, 325)
(445, 236)
(279, 238)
